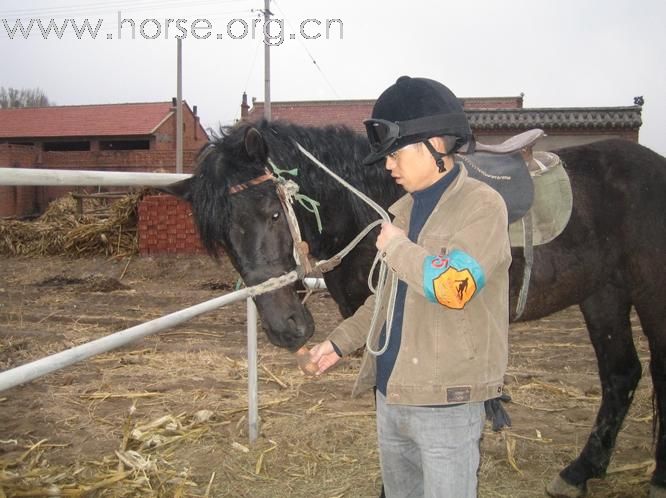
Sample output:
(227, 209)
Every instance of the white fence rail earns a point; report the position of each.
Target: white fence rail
(30, 371)
(61, 177)
(33, 370)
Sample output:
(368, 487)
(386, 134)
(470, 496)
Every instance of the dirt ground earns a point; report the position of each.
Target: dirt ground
(166, 416)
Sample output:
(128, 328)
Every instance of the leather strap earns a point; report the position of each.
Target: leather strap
(250, 183)
(528, 254)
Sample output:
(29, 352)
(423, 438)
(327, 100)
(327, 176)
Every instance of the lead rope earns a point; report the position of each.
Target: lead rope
(380, 287)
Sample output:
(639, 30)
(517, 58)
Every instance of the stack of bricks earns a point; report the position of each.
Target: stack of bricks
(166, 226)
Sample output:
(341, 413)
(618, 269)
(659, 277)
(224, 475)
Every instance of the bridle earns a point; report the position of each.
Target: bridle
(251, 183)
(286, 189)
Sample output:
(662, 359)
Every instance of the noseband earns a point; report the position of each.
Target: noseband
(285, 193)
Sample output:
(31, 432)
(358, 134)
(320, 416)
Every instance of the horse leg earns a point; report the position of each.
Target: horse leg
(650, 309)
(607, 317)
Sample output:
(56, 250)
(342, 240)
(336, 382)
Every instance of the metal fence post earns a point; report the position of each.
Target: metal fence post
(252, 395)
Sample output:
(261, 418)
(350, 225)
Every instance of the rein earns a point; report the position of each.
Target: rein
(380, 288)
(287, 190)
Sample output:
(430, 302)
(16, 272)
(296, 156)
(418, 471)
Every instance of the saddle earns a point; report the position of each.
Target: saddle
(533, 183)
(535, 188)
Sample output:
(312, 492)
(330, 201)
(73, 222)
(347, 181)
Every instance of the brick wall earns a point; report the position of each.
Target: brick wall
(21, 201)
(17, 200)
(166, 226)
(120, 160)
(194, 137)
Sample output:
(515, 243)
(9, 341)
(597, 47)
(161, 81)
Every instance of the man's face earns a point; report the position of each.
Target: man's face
(413, 167)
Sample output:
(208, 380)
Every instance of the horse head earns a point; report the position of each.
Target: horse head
(237, 209)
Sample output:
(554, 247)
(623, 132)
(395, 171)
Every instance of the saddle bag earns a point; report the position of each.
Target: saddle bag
(553, 201)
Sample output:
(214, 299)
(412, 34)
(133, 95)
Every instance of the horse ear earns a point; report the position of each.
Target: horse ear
(255, 145)
(182, 189)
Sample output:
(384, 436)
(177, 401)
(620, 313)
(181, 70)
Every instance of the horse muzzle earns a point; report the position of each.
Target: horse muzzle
(287, 324)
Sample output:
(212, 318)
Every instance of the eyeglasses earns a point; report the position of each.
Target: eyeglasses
(394, 154)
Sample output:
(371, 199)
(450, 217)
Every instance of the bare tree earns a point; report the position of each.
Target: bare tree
(24, 97)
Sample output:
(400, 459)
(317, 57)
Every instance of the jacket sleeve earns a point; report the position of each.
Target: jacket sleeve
(351, 334)
(473, 253)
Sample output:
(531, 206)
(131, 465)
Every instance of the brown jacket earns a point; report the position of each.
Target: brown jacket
(446, 355)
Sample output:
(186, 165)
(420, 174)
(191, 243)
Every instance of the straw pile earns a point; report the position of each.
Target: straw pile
(138, 468)
(61, 231)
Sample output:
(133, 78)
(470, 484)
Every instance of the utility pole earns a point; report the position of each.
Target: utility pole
(179, 107)
(267, 62)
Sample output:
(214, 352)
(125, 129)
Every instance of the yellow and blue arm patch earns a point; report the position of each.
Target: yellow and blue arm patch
(452, 280)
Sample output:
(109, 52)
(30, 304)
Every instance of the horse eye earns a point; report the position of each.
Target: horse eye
(275, 216)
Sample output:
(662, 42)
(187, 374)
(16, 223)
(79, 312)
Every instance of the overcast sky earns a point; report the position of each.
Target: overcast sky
(559, 53)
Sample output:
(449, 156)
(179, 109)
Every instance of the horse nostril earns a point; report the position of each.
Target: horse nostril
(292, 324)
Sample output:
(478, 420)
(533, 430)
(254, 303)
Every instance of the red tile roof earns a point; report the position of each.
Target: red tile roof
(83, 120)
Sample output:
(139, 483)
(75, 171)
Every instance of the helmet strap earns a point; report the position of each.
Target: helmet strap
(439, 157)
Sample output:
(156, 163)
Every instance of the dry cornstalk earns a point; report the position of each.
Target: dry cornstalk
(104, 396)
(510, 450)
(274, 377)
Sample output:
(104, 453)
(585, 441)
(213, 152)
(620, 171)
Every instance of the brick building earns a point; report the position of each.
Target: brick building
(141, 137)
(493, 119)
(165, 224)
(114, 137)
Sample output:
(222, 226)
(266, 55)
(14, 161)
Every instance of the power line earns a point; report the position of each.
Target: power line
(254, 60)
(102, 7)
(308, 52)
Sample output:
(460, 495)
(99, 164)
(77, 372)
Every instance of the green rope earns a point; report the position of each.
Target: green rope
(311, 205)
(278, 171)
(306, 202)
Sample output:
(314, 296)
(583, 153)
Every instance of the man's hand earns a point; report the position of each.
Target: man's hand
(389, 231)
(324, 356)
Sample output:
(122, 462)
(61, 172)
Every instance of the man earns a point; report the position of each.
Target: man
(447, 347)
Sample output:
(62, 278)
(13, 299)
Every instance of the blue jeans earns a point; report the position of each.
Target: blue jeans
(430, 452)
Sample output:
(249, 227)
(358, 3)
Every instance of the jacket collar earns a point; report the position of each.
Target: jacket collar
(404, 204)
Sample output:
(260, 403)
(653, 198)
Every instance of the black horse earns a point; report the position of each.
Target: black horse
(612, 255)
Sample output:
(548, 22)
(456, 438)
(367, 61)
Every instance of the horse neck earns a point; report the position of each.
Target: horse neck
(343, 214)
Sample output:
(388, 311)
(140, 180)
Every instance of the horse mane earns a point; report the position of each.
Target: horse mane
(224, 162)
(343, 151)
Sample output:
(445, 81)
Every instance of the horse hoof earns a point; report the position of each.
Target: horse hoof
(559, 488)
(657, 491)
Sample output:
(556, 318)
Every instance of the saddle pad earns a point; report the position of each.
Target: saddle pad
(506, 173)
(552, 205)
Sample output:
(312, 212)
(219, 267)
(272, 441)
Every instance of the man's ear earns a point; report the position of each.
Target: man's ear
(182, 189)
(255, 145)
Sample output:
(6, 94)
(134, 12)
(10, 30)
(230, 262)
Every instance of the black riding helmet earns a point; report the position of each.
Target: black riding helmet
(413, 110)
